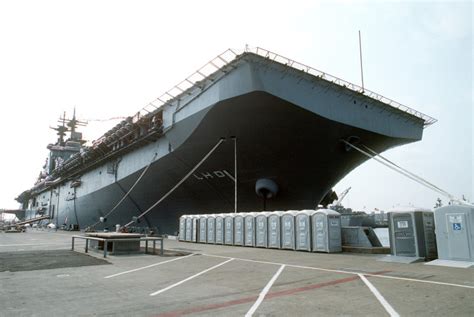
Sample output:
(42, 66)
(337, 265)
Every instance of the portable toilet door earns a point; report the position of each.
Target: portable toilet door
(288, 230)
(229, 229)
(203, 229)
(189, 228)
(239, 229)
(182, 228)
(274, 230)
(326, 231)
(249, 221)
(195, 224)
(261, 229)
(219, 229)
(211, 232)
(303, 230)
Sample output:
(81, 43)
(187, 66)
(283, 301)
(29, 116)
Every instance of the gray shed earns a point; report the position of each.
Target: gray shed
(288, 230)
(455, 232)
(261, 229)
(229, 229)
(303, 229)
(211, 228)
(326, 231)
(220, 229)
(274, 229)
(249, 225)
(239, 228)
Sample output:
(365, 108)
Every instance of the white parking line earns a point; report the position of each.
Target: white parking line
(30, 244)
(148, 266)
(379, 297)
(190, 278)
(264, 292)
(345, 272)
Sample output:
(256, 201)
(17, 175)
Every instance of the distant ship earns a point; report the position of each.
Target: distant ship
(248, 132)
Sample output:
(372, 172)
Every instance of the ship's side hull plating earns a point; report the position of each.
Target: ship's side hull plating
(296, 148)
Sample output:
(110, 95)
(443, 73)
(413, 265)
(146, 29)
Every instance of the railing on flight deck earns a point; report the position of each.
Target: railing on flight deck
(229, 55)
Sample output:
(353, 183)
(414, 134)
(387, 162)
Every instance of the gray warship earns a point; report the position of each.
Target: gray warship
(248, 131)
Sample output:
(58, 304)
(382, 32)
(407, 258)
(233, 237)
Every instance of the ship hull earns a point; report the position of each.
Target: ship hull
(299, 150)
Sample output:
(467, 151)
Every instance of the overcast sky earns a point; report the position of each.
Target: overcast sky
(110, 58)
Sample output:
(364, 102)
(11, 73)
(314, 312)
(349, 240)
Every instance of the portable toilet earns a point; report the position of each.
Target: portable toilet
(303, 229)
(189, 228)
(182, 228)
(219, 229)
(326, 231)
(249, 226)
(455, 232)
(412, 234)
(288, 230)
(261, 229)
(202, 228)
(274, 229)
(229, 229)
(239, 229)
(194, 227)
(211, 229)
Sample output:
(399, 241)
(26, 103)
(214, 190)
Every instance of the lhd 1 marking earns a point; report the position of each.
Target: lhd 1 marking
(213, 174)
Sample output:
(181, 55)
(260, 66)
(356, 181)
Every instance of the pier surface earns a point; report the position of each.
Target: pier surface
(39, 276)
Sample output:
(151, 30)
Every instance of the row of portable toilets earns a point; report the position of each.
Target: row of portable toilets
(307, 230)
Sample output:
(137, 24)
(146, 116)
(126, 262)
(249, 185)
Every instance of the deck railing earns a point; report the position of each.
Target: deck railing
(229, 55)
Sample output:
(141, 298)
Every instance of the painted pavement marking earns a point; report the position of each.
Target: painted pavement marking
(379, 297)
(190, 278)
(148, 266)
(264, 292)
